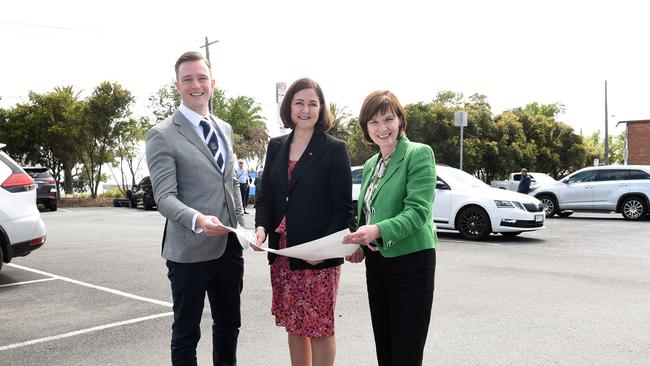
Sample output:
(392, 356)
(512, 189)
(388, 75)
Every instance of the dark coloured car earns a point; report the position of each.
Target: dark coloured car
(142, 194)
(46, 187)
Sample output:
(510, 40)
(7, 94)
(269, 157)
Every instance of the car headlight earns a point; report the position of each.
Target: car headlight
(503, 204)
(519, 205)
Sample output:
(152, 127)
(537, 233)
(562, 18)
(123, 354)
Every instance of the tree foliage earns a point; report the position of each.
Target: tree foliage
(359, 150)
(40, 132)
(595, 147)
(77, 138)
(342, 128)
(106, 118)
(128, 152)
(493, 146)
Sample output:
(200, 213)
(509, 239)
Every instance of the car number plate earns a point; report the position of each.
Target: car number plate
(539, 218)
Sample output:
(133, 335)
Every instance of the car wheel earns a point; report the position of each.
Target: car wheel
(550, 205)
(52, 205)
(474, 223)
(633, 208)
(2, 257)
(147, 202)
(511, 233)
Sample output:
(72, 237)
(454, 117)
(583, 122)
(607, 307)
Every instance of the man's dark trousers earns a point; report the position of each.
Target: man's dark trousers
(243, 188)
(222, 279)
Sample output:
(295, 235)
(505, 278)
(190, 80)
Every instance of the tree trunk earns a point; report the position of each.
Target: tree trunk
(67, 177)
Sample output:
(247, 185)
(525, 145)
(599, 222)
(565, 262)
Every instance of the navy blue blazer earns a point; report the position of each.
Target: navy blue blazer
(318, 200)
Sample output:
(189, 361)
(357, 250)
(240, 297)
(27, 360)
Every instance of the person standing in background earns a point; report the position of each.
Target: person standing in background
(258, 182)
(241, 174)
(524, 182)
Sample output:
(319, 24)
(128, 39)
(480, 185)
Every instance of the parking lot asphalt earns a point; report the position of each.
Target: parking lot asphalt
(575, 293)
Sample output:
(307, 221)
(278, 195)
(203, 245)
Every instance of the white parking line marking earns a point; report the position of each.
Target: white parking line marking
(27, 282)
(83, 331)
(101, 288)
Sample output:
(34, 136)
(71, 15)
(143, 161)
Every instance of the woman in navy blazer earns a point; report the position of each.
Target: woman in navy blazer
(306, 194)
(397, 232)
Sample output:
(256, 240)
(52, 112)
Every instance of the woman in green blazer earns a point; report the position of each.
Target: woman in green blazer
(397, 232)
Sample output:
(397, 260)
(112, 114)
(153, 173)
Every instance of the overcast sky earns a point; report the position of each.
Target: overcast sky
(514, 52)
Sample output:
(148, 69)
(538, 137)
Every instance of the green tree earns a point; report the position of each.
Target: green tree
(341, 126)
(359, 150)
(248, 126)
(548, 110)
(512, 149)
(164, 102)
(553, 146)
(106, 118)
(40, 131)
(595, 146)
(128, 152)
(433, 124)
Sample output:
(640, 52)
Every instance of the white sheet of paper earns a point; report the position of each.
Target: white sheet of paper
(327, 247)
(245, 237)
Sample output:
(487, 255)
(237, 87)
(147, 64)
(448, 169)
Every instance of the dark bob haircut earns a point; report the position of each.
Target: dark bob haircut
(325, 119)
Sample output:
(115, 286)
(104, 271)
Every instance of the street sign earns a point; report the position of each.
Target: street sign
(460, 119)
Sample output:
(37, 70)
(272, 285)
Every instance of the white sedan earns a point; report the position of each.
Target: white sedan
(466, 204)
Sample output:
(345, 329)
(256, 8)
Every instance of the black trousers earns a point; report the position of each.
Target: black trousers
(222, 279)
(400, 294)
(243, 189)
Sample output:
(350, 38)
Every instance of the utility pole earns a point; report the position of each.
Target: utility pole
(606, 132)
(206, 45)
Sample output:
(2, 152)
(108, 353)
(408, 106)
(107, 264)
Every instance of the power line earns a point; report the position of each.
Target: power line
(47, 26)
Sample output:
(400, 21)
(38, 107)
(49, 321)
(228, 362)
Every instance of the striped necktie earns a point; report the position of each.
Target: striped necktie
(210, 137)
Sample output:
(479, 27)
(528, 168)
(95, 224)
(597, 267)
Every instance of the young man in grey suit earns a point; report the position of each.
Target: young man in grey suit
(190, 161)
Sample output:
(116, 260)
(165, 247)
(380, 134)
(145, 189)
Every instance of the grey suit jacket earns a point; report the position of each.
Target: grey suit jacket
(186, 180)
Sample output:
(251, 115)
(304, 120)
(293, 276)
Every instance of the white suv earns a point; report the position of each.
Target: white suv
(21, 228)
(611, 188)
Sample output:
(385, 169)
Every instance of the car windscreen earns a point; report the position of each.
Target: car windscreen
(541, 178)
(455, 177)
(39, 174)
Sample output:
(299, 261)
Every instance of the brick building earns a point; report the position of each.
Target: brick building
(637, 146)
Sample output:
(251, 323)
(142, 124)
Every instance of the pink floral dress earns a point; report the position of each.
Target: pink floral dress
(303, 299)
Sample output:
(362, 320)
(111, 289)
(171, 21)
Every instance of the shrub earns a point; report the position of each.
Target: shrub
(113, 193)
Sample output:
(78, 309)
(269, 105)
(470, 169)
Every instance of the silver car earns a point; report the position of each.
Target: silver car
(612, 188)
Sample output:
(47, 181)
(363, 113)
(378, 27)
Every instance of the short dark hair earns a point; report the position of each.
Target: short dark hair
(380, 101)
(191, 56)
(325, 118)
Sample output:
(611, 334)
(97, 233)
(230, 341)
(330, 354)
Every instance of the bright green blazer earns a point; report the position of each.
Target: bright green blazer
(402, 203)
